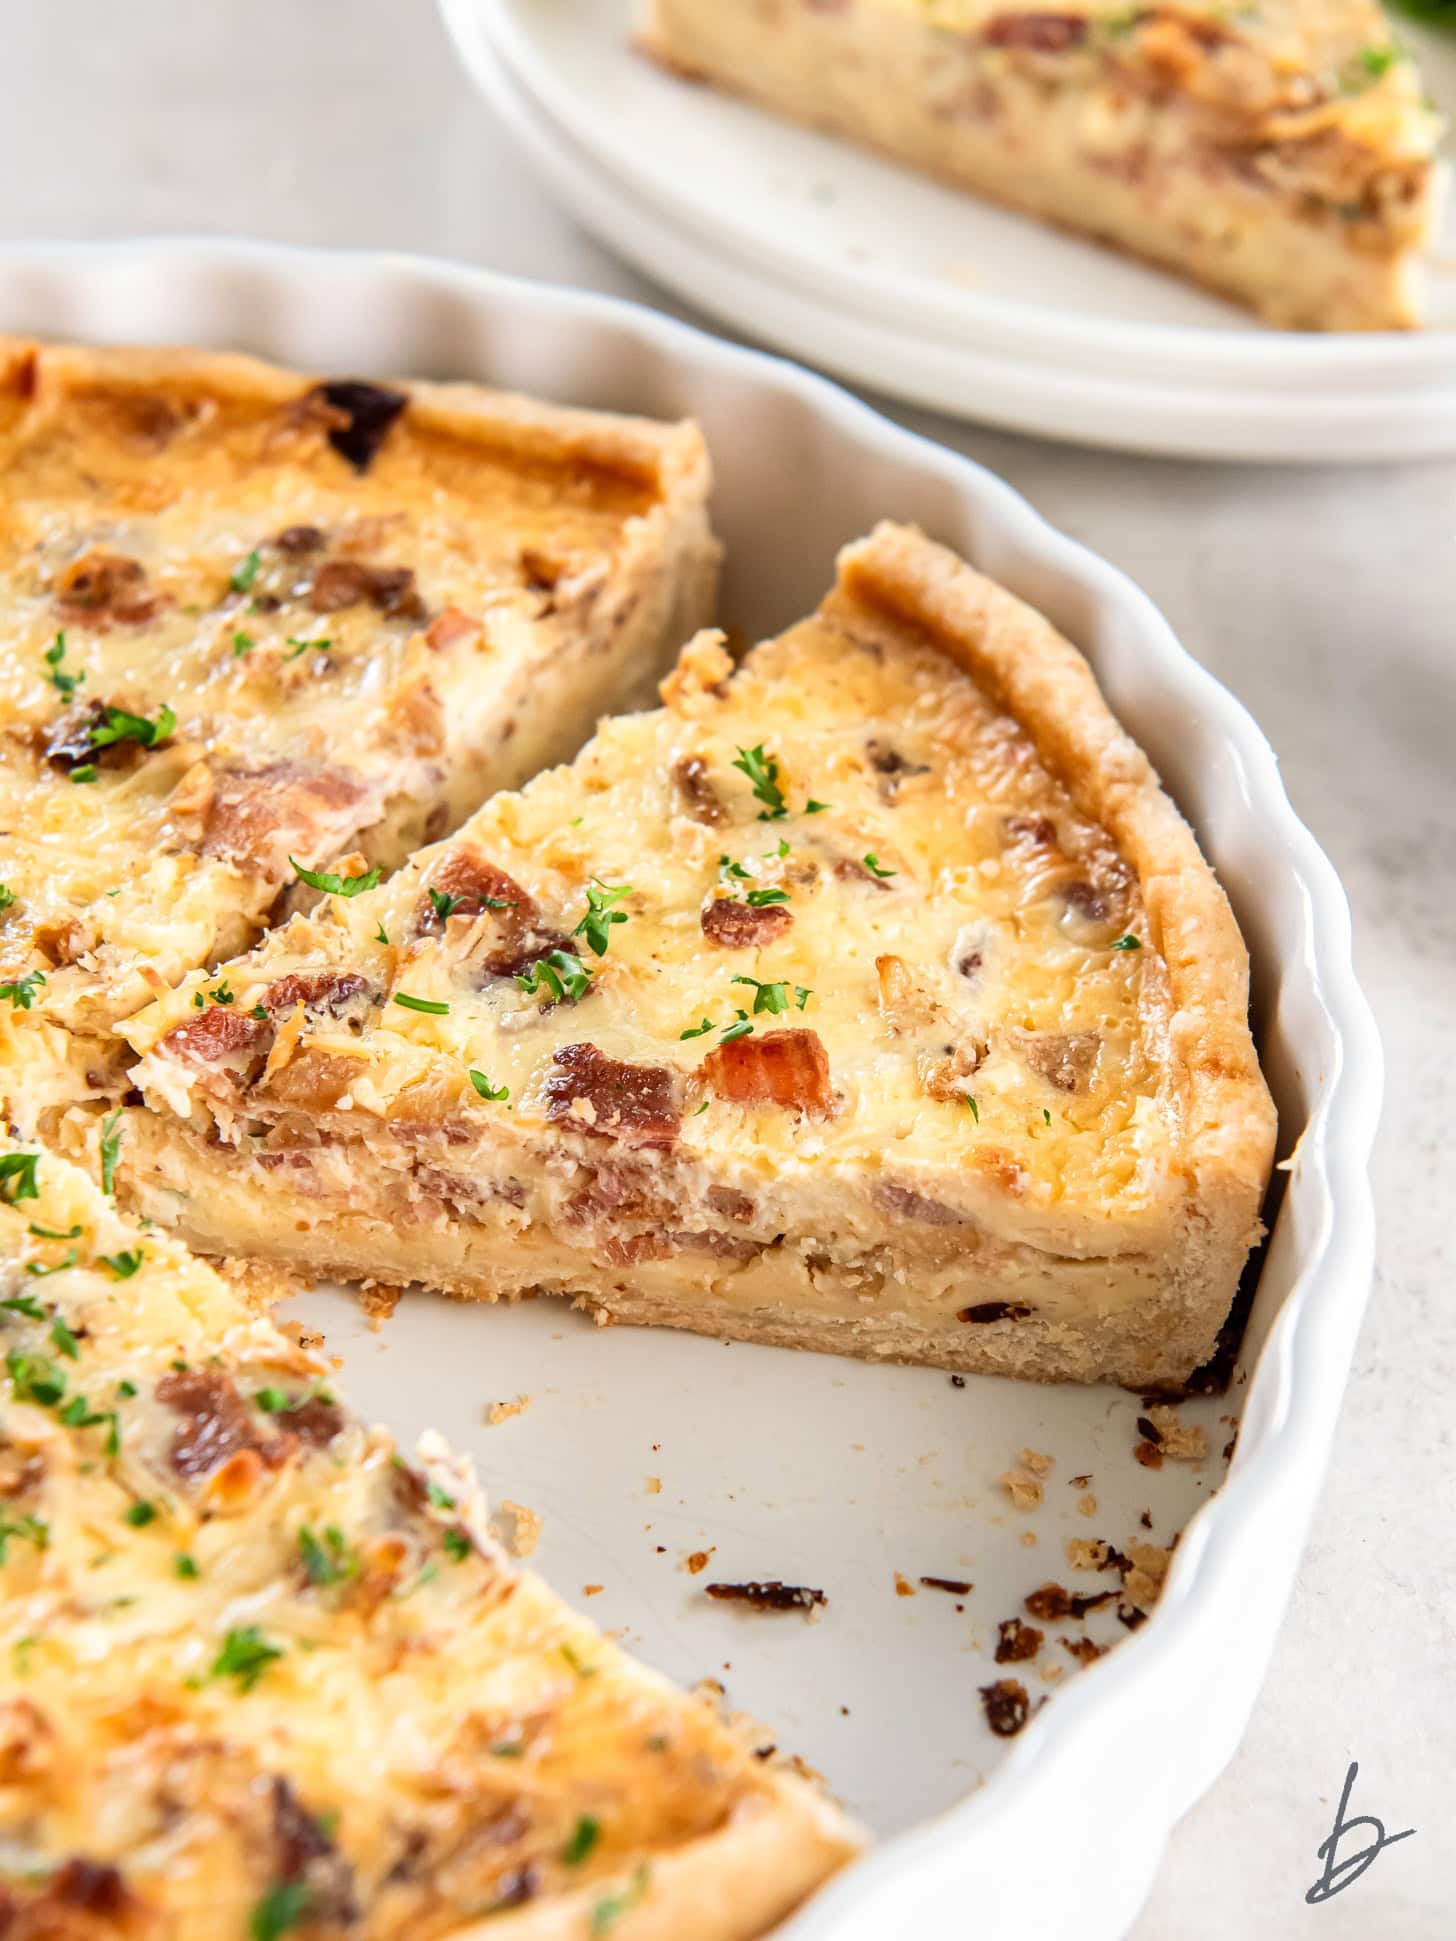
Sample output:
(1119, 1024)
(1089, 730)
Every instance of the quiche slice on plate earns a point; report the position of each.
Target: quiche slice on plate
(1282, 152)
(872, 997)
(254, 619)
(260, 1674)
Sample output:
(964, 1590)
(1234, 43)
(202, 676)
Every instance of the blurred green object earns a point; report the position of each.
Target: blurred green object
(1442, 13)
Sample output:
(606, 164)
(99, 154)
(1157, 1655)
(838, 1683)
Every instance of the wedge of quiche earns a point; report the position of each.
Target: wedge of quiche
(256, 622)
(872, 997)
(260, 1674)
(1281, 152)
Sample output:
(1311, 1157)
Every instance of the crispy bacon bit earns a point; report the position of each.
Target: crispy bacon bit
(69, 741)
(322, 993)
(700, 798)
(635, 1103)
(739, 926)
(732, 1204)
(307, 1854)
(367, 410)
(1040, 33)
(1085, 901)
(892, 768)
(261, 813)
(448, 627)
(770, 1595)
(1148, 1454)
(315, 1421)
(221, 1034)
(467, 875)
(216, 1424)
(1007, 1706)
(341, 583)
(1054, 1601)
(1016, 1642)
(957, 1586)
(92, 1885)
(1063, 1059)
(1084, 1650)
(296, 542)
(1038, 829)
(100, 589)
(910, 1205)
(993, 1311)
(787, 1068)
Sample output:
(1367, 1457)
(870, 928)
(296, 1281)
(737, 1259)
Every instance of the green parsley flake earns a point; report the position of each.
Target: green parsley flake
(35, 1269)
(763, 771)
(330, 1561)
(62, 1340)
(483, 1085)
(380, 936)
(111, 1135)
(7, 896)
(741, 1029)
(872, 863)
(84, 772)
(564, 978)
(246, 1654)
(584, 1836)
(184, 1565)
(445, 904)
(21, 990)
(302, 647)
(697, 1030)
(610, 1909)
(434, 1007)
(975, 1109)
(760, 899)
(332, 885)
(241, 578)
(601, 914)
(64, 684)
(457, 1545)
(17, 1177)
(242, 644)
(54, 1233)
(1128, 942)
(441, 1498)
(141, 1514)
(25, 1529)
(123, 1265)
(121, 725)
(285, 1904)
(36, 1379)
(774, 997)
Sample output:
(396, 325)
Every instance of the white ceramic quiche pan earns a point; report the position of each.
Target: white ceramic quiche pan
(638, 1449)
(869, 269)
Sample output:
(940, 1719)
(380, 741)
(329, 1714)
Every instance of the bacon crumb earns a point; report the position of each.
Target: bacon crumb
(1054, 1601)
(1016, 1642)
(955, 1585)
(1007, 1706)
(903, 1586)
(786, 1068)
(696, 1562)
(771, 1594)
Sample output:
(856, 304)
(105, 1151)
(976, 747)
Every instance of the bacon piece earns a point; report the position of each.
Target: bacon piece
(741, 926)
(1053, 1601)
(1016, 1642)
(768, 1594)
(1063, 1059)
(448, 627)
(261, 813)
(366, 412)
(306, 1853)
(1039, 33)
(322, 993)
(1007, 1706)
(910, 1205)
(467, 874)
(341, 583)
(315, 1421)
(788, 1068)
(700, 798)
(100, 589)
(637, 1104)
(216, 1424)
(221, 1036)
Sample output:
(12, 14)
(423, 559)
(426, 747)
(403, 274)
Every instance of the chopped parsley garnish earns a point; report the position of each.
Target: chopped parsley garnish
(17, 1177)
(441, 1498)
(21, 990)
(28, 1529)
(727, 867)
(332, 885)
(601, 914)
(811, 807)
(380, 937)
(975, 1109)
(457, 1545)
(7, 896)
(330, 1561)
(64, 684)
(260, 1012)
(584, 1836)
(84, 772)
(872, 863)
(573, 1658)
(111, 1132)
(610, 1909)
(124, 1265)
(54, 1233)
(246, 1654)
(39, 1272)
(564, 977)
(222, 994)
(1046, 1115)
(36, 1379)
(435, 1007)
(78, 1414)
(302, 647)
(740, 1029)
(774, 998)
(486, 1090)
(763, 771)
(241, 578)
(121, 725)
(697, 1030)
(760, 899)
(184, 1565)
(62, 1339)
(25, 1304)
(285, 1904)
(141, 1514)
(700, 1110)
(242, 644)
(445, 905)
(126, 1390)
(1129, 942)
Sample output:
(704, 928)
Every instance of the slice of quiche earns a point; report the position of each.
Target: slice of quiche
(872, 997)
(256, 623)
(1282, 152)
(260, 1674)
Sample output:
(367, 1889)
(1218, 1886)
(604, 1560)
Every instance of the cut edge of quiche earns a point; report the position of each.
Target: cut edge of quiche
(1282, 152)
(259, 1672)
(871, 997)
(260, 622)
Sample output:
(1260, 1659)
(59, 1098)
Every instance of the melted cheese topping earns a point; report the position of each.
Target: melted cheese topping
(967, 949)
(250, 1660)
(342, 649)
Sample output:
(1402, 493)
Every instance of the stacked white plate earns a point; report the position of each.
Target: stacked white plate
(896, 282)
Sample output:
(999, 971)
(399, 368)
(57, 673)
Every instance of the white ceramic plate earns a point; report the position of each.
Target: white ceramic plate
(894, 280)
(825, 1471)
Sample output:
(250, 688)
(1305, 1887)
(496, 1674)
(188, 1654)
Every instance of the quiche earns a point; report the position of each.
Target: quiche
(1281, 152)
(870, 997)
(262, 1674)
(258, 622)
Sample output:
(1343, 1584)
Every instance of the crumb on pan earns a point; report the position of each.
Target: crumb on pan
(1087, 1553)
(903, 1586)
(1037, 1463)
(521, 1530)
(379, 1299)
(1016, 1642)
(1087, 1503)
(769, 1594)
(958, 1587)
(1177, 1443)
(503, 1411)
(1023, 1488)
(696, 1561)
(1056, 1601)
(654, 1485)
(1007, 1706)
(260, 1283)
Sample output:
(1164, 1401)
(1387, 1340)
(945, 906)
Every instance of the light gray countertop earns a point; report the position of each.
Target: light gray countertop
(1325, 600)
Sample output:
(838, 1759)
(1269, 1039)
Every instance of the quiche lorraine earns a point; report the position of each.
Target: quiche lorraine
(872, 997)
(260, 1674)
(1281, 152)
(256, 620)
